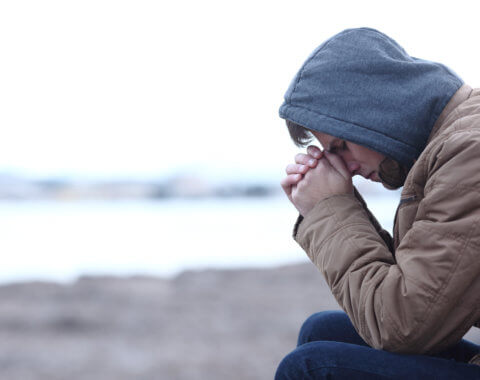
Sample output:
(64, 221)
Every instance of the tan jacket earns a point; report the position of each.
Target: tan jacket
(420, 292)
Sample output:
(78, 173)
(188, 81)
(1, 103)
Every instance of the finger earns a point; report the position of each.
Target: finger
(337, 162)
(289, 181)
(305, 159)
(296, 169)
(314, 151)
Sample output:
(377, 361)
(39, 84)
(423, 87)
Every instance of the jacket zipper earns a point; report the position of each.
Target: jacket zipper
(407, 199)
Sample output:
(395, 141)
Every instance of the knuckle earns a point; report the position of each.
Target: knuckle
(292, 169)
(292, 179)
(300, 158)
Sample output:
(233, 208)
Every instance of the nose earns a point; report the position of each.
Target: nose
(353, 167)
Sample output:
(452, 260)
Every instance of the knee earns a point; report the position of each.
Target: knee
(308, 361)
(321, 326)
(292, 366)
(289, 368)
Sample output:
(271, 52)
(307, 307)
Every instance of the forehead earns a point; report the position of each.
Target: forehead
(325, 140)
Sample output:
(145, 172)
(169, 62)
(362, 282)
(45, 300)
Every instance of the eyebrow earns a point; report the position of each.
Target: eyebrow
(332, 143)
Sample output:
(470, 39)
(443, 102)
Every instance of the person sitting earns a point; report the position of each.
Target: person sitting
(409, 299)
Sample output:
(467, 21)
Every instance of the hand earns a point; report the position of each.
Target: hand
(295, 172)
(329, 177)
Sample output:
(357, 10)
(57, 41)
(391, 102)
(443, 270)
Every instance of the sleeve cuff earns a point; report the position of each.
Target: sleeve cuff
(326, 217)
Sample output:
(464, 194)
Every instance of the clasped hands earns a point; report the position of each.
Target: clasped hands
(315, 176)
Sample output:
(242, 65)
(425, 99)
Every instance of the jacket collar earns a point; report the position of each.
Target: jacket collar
(462, 94)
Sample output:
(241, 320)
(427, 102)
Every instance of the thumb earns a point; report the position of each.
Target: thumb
(339, 165)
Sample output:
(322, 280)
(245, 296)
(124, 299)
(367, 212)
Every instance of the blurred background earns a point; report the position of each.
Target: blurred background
(143, 230)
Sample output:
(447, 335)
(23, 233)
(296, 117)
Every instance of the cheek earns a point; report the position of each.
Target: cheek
(368, 157)
(377, 158)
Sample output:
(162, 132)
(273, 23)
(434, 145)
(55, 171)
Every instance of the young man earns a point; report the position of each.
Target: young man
(402, 121)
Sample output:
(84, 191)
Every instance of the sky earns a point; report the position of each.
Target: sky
(147, 88)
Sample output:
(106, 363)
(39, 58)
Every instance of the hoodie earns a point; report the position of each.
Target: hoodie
(362, 86)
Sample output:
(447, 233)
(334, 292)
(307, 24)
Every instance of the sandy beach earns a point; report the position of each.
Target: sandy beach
(211, 324)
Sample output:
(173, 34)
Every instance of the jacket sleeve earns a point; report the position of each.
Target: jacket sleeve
(429, 295)
(383, 233)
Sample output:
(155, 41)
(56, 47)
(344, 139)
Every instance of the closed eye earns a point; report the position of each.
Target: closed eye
(336, 148)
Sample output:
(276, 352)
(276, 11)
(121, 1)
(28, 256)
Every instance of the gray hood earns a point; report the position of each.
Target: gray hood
(361, 86)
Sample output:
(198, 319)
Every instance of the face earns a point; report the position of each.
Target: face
(358, 159)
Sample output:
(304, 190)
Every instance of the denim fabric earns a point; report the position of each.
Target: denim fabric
(361, 86)
(330, 348)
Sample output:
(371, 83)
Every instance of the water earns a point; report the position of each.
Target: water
(62, 240)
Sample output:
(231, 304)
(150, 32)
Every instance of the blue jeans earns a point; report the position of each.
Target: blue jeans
(330, 348)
